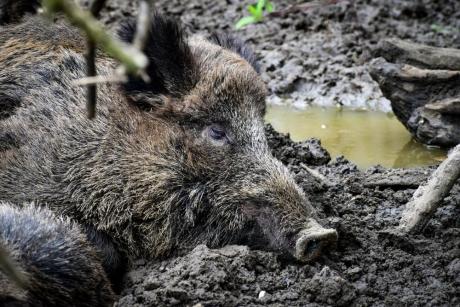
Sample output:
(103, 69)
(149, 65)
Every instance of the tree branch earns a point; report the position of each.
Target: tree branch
(429, 196)
(133, 61)
(95, 9)
(143, 22)
(131, 57)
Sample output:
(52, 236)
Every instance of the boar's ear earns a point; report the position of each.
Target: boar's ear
(14, 10)
(171, 64)
(236, 45)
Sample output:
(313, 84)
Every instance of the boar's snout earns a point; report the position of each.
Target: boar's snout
(312, 240)
(283, 214)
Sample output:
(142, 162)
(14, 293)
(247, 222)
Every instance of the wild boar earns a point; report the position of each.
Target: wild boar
(165, 165)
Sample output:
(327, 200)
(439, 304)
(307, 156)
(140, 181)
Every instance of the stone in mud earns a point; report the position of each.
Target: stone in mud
(287, 151)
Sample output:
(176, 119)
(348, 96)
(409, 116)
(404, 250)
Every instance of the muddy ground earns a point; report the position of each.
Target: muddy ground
(320, 57)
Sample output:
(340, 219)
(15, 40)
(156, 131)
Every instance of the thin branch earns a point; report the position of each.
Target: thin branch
(133, 60)
(142, 30)
(429, 196)
(91, 72)
(9, 268)
(117, 77)
(95, 9)
(143, 22)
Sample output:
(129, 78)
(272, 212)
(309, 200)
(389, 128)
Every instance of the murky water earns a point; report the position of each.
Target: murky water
(364, 137)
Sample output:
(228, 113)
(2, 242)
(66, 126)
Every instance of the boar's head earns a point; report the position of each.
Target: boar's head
(209, 176)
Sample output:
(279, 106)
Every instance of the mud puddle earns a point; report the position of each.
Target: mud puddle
(365, 137)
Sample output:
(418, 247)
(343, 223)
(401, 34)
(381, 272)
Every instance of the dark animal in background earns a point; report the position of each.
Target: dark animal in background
(165, 165)
(60, 265)
(14, 10)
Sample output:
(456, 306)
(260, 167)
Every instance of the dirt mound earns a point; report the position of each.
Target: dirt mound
(367, 268)
(233, 276)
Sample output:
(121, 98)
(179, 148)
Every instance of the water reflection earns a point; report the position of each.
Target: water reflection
(364, 137)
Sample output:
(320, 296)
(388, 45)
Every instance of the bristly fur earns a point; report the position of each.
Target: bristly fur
(171, 64)
(236, 45)
(60, 266)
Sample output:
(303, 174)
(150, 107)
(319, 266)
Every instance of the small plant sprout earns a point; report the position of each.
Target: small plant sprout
(439, 29)
(256, 12)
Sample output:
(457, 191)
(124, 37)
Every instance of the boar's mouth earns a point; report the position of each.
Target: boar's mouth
(313, 240)
(306, 244)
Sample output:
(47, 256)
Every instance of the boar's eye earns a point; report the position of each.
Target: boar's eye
(216, 134)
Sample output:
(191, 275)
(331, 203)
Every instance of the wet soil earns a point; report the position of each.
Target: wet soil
(368, 267)
(320, 57)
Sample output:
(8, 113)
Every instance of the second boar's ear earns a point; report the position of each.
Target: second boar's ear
(171, 64)
(13, 10)
(236, 45)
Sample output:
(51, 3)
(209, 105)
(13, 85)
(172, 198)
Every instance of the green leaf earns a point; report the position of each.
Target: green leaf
(269, 7)
(260, 6)
(252, 10)
(436, 28)
(243, 22)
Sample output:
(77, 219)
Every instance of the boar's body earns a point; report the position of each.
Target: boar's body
(180, 161)
(59, 266)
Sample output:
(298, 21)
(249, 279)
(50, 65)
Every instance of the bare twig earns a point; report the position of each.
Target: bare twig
(143, 22)
(91, 72)
(95, 9)
(133, 60)
(429, 196)
(303, 7)
(117, 77)
(142, 29)
(8, 267)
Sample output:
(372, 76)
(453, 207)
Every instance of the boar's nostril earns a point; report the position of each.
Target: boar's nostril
(313, 240)
(311, 246)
